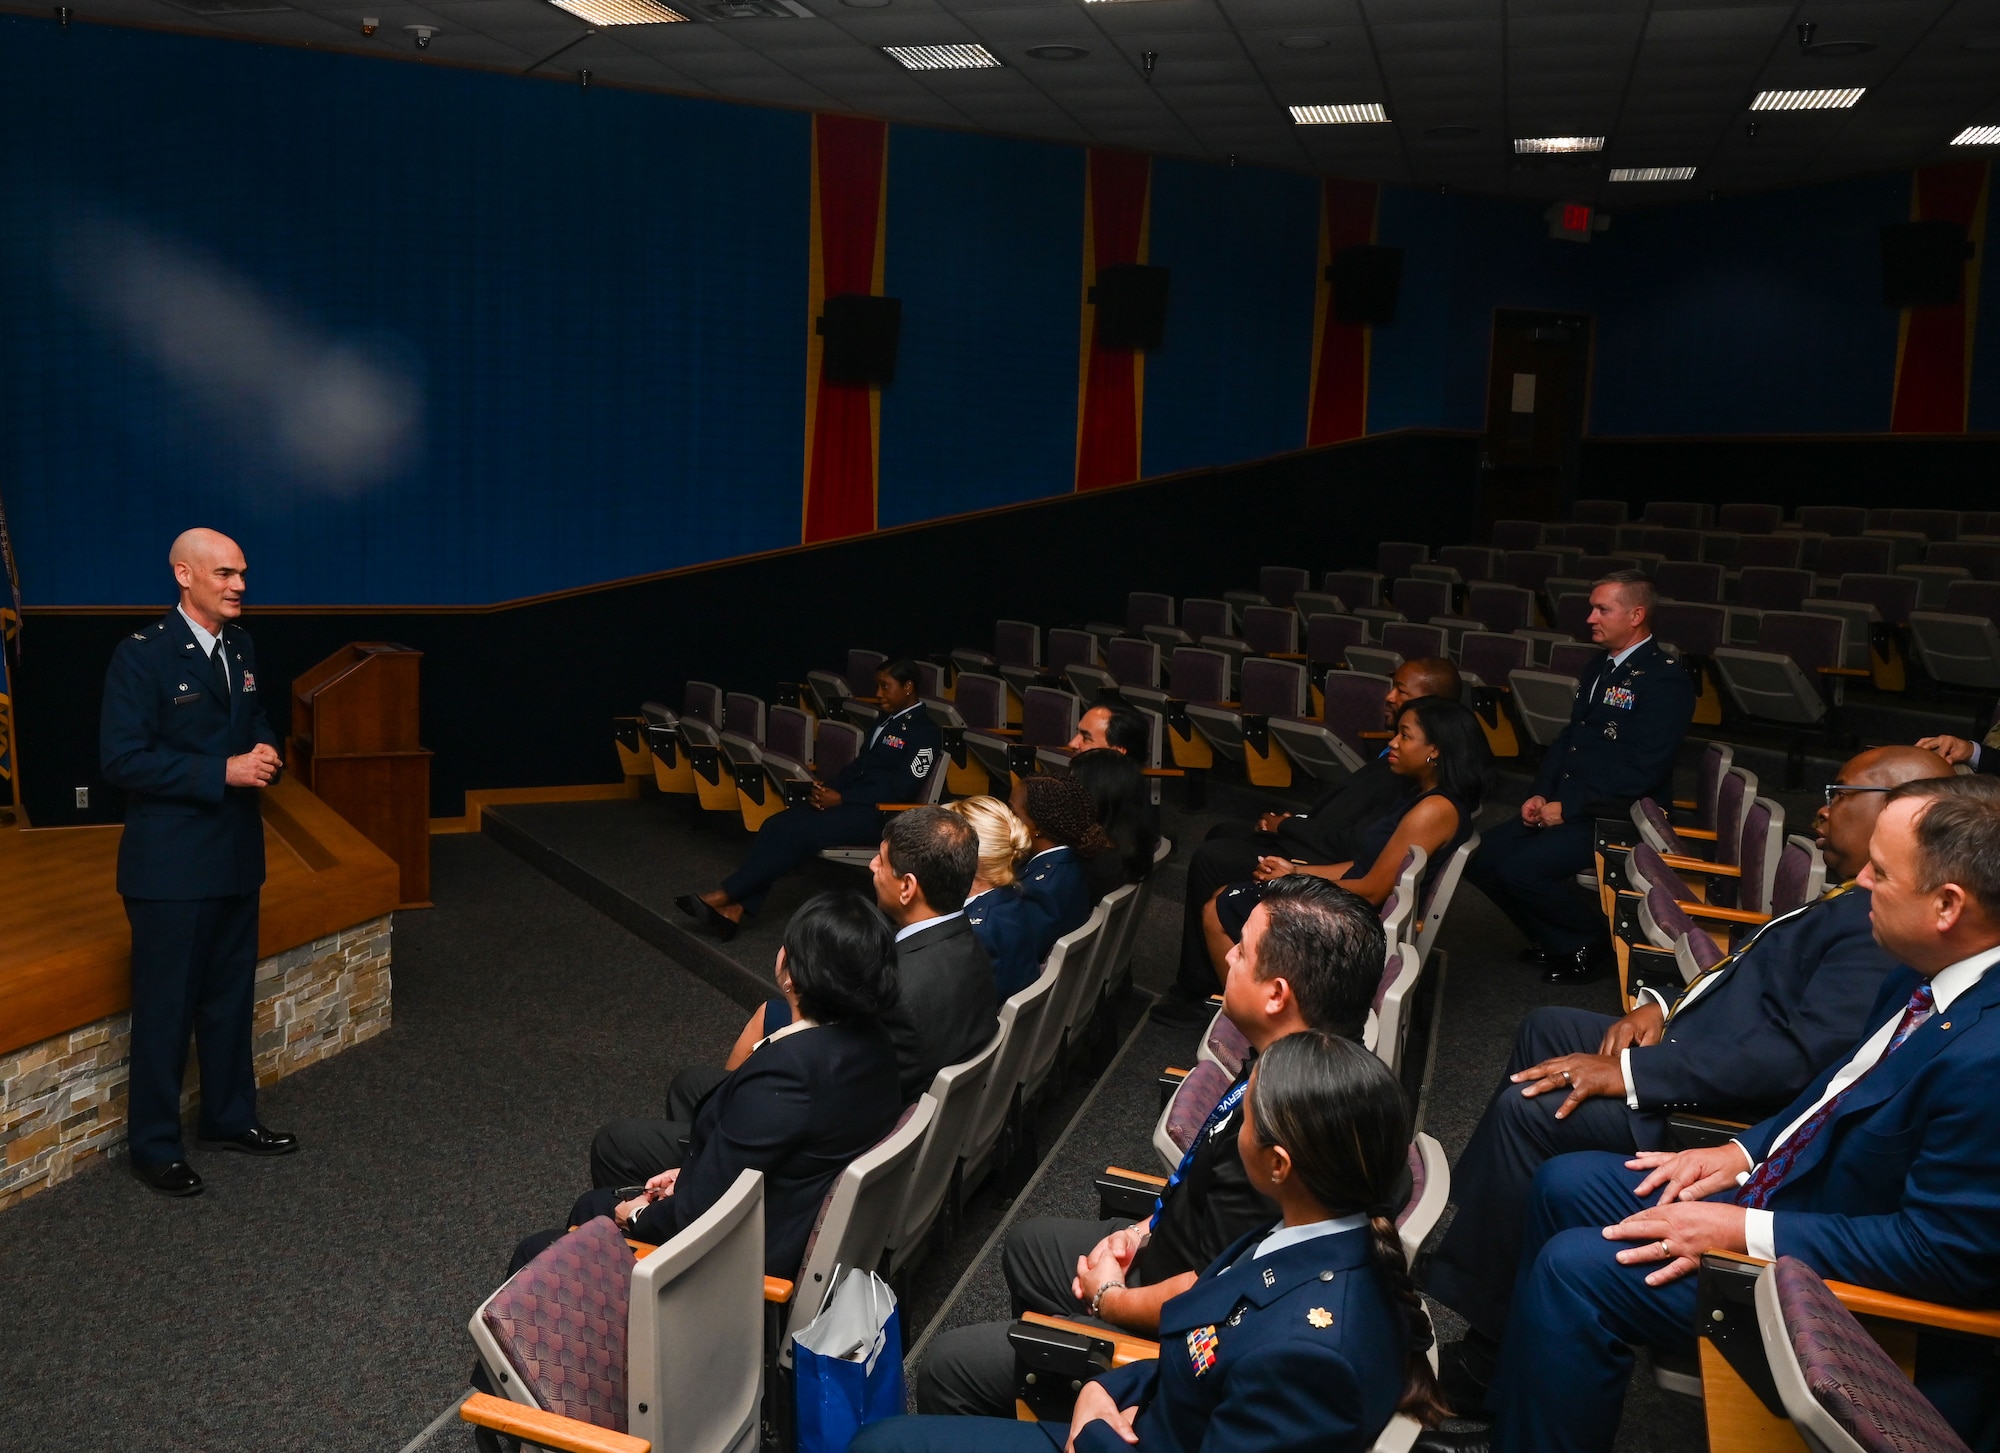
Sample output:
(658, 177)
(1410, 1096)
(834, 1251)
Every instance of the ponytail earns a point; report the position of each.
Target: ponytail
(1342, 1117)
(1422, 1398)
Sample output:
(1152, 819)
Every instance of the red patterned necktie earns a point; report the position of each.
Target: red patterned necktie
(1757, 1191)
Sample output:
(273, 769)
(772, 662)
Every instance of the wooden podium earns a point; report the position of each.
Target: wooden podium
(354, 743)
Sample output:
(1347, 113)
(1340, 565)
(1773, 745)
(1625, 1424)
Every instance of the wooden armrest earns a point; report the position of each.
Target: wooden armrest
(1723, 915)
(517, 1420)
(1285, 655)
(996, 731)
(1686, 804)
(864, 700)
(1135, 1175)
(778, 1290)
(1175, 1071)
(1699, 865)
(898, 806)
(1374, 736)
(1699, 834)
(1124, 1349)
(1868, 1302)
(1214, 1001)
(1163, 772)
(1845, 671)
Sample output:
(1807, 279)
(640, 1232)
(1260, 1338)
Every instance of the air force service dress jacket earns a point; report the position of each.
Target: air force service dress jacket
(167, 730)
(1300, 1351)
(897, 763)
(1624, 727)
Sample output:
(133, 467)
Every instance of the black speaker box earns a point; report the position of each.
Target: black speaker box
(1923, 264)
(860, 334)
(1365, 283)
(1131, 302)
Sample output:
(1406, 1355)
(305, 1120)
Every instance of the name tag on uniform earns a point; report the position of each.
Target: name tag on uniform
(184, 700)
(1619, 696)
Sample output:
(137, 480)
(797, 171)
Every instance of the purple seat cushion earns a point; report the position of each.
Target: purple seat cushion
(1199, 1093)
(1788, 889)
(561, 1320)
(1849, 1374)
(1417, 1179)
(1227, 1044)
(1658, 820)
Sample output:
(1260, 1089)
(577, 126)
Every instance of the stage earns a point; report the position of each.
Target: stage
(65, 963)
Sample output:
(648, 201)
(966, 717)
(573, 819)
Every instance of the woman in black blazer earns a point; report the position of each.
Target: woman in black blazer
(806, 1101)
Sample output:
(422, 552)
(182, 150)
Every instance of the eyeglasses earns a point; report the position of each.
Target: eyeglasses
(1833, 787)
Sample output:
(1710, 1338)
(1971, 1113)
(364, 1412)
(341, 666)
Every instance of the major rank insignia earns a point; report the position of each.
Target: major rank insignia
(1202, 1345)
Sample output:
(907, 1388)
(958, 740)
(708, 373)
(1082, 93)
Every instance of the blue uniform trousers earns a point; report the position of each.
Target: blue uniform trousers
(789, 838)
(1530, 873)
(1577, 1313)
(1472, 1272)
(959, 1435)
(194, 970)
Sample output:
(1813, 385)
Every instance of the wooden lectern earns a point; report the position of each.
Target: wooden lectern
(354, 743)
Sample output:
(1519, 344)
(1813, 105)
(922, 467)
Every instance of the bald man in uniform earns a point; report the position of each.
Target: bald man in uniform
(184, 734)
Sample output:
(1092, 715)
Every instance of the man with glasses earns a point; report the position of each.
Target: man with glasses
(1736, 1044)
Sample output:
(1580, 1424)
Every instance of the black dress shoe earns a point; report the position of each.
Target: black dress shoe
(1586, 966)
(717, 923)
(1464, 1370)
(1476, 1440)
(254, 1141)
(175, 1178)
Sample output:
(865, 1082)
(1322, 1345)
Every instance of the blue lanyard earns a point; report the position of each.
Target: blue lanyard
(1222, 1111)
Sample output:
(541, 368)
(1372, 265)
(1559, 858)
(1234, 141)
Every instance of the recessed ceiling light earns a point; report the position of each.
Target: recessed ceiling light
(620, 12)
(1651, 173)
(1834, 49)
(1057, 52)
(1339, 115)
(1450, 133)
(1978, 136)
(1303, 42)
(1534, 145)
(1831, 100)
(941, 57)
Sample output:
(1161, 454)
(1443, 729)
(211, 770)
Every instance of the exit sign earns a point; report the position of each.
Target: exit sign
(1574, 221)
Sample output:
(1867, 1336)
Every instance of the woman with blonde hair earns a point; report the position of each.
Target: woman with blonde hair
(998, 914)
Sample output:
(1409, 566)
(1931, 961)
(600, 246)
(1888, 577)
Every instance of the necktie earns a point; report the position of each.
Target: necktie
(1757, 1191)
(221, 671)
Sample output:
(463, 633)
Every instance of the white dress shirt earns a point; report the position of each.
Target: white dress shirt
(206, 643)
(909, 928)
(1759, 1231)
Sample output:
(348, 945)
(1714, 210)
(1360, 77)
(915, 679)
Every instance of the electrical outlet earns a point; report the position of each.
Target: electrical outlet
(83, 797)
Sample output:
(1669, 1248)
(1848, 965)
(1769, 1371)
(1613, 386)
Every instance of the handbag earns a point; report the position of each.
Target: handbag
(847, 1364)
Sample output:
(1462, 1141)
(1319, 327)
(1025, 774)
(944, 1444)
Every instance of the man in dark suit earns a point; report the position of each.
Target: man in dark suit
(1327, 832)
(904, 747)
(1113, 728)
(183, 733)
(1738, 1043)
(1310, 958)
(944, 1013)
(1631, 710)
(1884, 1172)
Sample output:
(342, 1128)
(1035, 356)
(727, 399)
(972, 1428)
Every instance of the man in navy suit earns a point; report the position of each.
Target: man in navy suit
(1738, 1043)
(903, 749)
(1631, 711)
(183, 733)
(1884, 1172)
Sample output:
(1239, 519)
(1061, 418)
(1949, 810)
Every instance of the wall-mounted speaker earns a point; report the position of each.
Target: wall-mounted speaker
(1131, 302)
(1365, 283)
(860, 334)
(1923, 264)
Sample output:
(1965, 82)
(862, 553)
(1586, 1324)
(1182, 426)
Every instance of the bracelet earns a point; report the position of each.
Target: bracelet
(1098, 1300)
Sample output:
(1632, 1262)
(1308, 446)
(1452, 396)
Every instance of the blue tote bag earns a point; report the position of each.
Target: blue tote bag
(847, 1366)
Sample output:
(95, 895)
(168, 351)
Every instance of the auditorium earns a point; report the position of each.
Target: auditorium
(999, 726)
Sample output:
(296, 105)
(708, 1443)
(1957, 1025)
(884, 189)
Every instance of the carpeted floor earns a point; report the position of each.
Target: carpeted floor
(320, 1302)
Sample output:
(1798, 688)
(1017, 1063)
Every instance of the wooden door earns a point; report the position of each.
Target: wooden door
(1536, 397)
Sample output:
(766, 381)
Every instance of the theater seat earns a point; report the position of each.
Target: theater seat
(1833, 519)
(1271, 690)
(994, 1123)
(1688, 580)
(928, 1201)
(1354, 710)
(672, 772)
(1359, 589)
(1598, 511)
(1749, 519)
(1280, 584)
(1516, 535)
(1393, 558)
(1389, 1023)
(1472, 562)
(1543, 700)
(1783, 552)
(1679, 514)
(1957, 650)
(1503, 607)
(1419, 600)
(1310, 603)
(586, 1343)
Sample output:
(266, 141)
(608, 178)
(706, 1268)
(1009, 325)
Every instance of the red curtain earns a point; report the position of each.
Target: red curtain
(1112, 385)
(1339, 404)
(1934, 351)
(843, 422)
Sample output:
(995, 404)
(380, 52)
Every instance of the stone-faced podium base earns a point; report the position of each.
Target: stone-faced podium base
(63, 1101)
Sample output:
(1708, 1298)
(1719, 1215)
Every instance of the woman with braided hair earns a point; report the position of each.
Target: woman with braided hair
(1063, 823)
(1304, 1337)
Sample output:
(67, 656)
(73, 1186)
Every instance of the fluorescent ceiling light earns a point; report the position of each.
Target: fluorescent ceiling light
(1525, 145)
(620, 12)
(1651, 173)
(941, 57)
(1835, 100)
(1339, 115)
(1978, 136)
